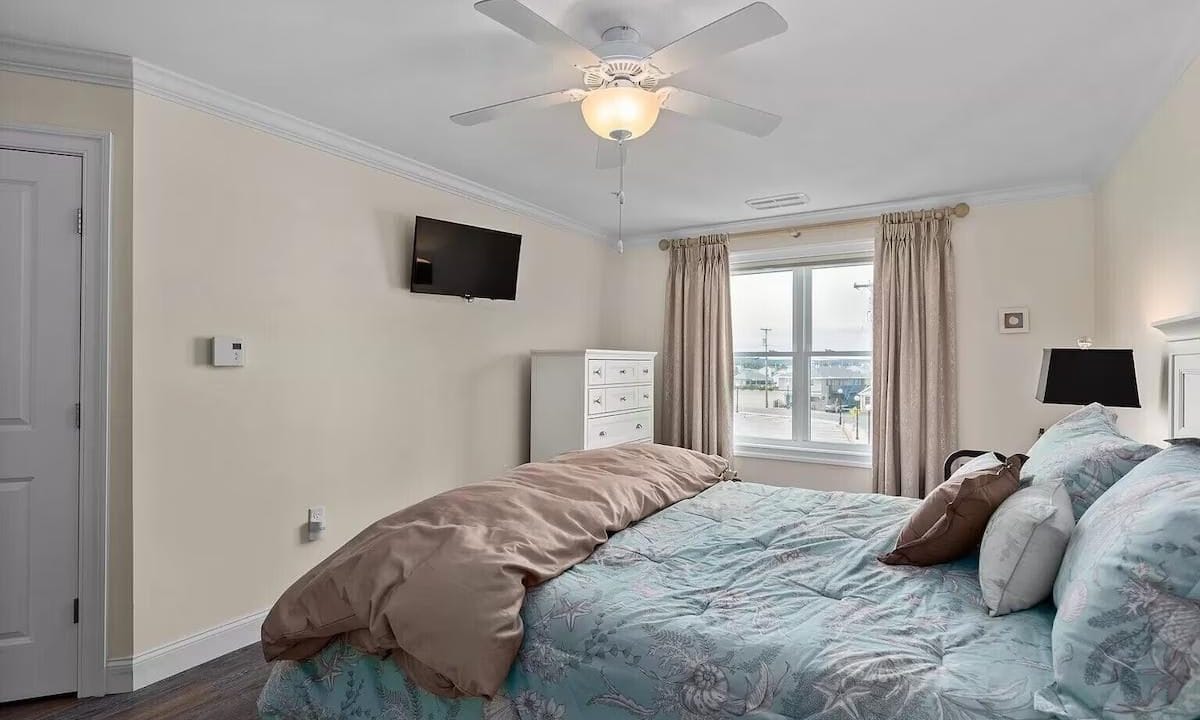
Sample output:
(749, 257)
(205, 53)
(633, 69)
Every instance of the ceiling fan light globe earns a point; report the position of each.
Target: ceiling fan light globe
(613, 111)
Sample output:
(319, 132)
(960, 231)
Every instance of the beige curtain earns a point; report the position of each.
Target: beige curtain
(698, 347)
(914, 385)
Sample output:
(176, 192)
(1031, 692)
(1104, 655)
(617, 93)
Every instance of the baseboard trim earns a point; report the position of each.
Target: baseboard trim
(132, 673)
(118, 676)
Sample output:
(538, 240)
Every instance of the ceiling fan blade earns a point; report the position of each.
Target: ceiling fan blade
(534, 102)
(755, 22)
(722, 112)
(610, 154)
(525, 22)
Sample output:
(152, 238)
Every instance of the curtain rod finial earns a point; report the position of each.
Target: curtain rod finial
(961, 210)
(664, 244)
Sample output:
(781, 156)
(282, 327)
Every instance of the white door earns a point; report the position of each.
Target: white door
(39, 442)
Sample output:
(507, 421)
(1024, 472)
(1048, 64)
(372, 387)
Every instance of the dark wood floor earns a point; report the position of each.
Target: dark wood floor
(223, 688)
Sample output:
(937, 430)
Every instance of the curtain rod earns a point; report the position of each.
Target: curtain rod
(960, 210)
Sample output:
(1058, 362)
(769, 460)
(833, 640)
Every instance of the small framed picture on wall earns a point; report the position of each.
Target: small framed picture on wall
(1014, 320)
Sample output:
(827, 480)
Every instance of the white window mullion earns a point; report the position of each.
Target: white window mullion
(801, 330)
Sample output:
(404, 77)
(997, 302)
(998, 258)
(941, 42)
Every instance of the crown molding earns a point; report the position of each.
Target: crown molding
(120, 71)
(180, 89)
(1182, 327)
(853, 212)
(64, 63)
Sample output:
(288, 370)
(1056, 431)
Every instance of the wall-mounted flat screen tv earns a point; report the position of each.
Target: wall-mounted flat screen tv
(471, 262)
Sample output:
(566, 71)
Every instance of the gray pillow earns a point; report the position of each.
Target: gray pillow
(1023, 547)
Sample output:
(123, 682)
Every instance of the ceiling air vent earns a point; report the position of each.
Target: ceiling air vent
(778, 201)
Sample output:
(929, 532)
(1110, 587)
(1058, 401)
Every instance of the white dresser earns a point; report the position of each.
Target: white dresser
(585, 399)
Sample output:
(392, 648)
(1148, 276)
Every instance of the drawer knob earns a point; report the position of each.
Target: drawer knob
(622, 371)
(639, 426)
(596, 371)
(603, 433)
(645, 397)
(623, 398)
(645, 371)
(596, 401)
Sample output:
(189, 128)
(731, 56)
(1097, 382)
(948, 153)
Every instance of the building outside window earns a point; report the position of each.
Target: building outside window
(802, 358)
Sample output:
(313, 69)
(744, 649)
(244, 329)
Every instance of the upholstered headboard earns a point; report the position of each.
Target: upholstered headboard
(1183, 366)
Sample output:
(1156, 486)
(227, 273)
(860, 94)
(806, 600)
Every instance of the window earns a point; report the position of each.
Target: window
(802, 359)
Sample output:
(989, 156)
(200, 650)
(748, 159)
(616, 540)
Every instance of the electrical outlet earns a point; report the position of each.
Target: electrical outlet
(316, 522)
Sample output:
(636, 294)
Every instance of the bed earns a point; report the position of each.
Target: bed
(745, 600)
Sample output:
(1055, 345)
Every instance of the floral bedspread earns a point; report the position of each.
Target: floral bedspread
(746, 600)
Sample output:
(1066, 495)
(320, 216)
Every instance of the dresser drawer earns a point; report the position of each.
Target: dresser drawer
(595, 370)
(620, 398)
(620, 429)
(645, 371)
(645, 396)
(595, 404)
(619, 371)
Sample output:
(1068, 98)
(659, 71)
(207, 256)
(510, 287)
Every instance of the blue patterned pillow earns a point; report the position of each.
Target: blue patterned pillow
(1087, 452)
(1126, 638)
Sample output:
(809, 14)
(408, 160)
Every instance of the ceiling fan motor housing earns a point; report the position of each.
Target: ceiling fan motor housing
(621, 54)
(621, 41)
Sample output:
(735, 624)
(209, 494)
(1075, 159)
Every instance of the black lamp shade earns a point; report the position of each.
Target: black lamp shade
(1078, 377)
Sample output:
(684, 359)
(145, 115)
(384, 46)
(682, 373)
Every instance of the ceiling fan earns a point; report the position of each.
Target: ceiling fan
(621, 76)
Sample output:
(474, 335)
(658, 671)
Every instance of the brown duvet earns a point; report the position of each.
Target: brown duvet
(440, 584)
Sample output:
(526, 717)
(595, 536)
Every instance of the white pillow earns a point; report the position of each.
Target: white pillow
(1023, 547)
(986, 461)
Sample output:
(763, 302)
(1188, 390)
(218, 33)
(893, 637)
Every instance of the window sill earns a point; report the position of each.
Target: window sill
(792, 453)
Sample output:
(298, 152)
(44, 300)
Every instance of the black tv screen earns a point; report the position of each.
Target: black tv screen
(472, 262)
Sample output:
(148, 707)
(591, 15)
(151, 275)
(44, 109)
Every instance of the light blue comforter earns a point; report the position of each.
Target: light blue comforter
(746, 600)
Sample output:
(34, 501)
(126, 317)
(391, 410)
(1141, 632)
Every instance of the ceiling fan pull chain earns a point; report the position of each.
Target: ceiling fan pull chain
(621, 198)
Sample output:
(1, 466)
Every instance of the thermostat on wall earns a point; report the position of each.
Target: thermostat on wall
(228, 352)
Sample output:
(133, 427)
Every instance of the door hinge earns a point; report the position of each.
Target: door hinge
(78, 416)
(79, 222)
(76, 611)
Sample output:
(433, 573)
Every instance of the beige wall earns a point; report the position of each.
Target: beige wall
(1034, 254)
(814, 476)
(1148, 246)
(356, 395)
(1037, 255)
(30, 100)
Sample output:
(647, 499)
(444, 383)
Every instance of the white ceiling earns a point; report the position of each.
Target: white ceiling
(882, 100)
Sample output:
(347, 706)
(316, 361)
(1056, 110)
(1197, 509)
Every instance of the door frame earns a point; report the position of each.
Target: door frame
(95, 150)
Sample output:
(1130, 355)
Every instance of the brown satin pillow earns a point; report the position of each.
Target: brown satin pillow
(950, 522)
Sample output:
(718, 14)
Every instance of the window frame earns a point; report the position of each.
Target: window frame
(802, 354)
